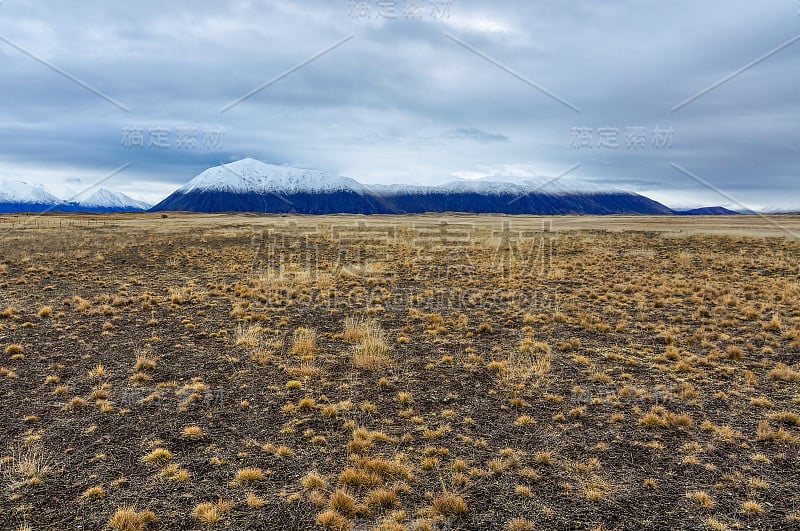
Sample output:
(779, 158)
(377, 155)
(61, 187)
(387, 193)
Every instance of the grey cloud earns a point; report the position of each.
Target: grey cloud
(472, 133)
(392, 103)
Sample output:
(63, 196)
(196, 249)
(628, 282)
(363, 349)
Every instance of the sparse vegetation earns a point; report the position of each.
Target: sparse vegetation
(419, 388)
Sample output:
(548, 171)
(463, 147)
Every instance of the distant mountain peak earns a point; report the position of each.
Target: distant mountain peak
(253, 176)
(21, 196)
(25, 193)
(709, 211)
(104, 198)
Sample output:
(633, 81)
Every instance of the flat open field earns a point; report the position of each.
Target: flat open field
(461, 372)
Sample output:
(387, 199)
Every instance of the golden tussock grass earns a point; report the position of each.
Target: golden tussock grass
(128, 519)
(448, 504)
(175, 473)
(94, 493)
(210, 514)
(248, 475)
(314, 481)
(304, 342)
(765, 433)
(370, 350)
(192, 432)
(784, 373)
(158, 455)
(520, 524)
(343, 503)
(702, 499)
(13, 349)
(331, 520)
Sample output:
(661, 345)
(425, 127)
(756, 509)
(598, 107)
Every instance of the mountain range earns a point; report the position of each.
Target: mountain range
(250, 185)
(20, 196)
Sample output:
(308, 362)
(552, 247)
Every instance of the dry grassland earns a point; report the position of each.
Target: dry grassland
(392, 373)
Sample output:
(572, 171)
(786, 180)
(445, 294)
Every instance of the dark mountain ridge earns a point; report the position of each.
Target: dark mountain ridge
(253, 186)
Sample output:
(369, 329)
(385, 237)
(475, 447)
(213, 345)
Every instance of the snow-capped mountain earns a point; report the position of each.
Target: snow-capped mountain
(249, 185)
(253, 176)
(22, 192)
(494, 186)
(20, 196)
(112, 201)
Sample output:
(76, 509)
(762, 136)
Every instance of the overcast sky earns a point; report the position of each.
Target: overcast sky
(408, 91)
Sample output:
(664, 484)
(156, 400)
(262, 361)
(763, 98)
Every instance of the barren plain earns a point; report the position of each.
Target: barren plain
(427, 372)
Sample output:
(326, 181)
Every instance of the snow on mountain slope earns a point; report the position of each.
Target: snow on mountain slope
(496, 185)
(104, 198)
(253, 176)
(475, 186)
(19, 196)
(22, 192)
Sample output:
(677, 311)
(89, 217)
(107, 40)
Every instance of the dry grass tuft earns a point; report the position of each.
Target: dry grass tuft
(786, 417)
(12, 350)
(520, 524)
(449, 505)
(304, 342)
(332, 521)
(343, 502)
(144, 362)
(314, 481)
(254, 501)
(715, 525)
(210, 514)
(192, 432)
(27, 466)
(383, 498)
(370, 350)
(765, 433)
(784, 373)
(94, 493)
(751, 508)
(159, 455)
(127, 519)
(702, 499)
(175, 473)
(356, 329)
(248, 475)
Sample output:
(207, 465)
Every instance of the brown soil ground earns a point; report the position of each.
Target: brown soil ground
(427, 372)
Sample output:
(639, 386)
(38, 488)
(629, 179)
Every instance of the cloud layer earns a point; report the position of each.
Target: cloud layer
(422, 93)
